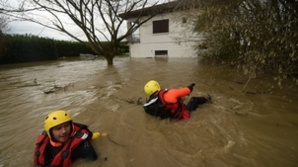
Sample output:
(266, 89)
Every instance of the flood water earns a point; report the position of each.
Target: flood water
(254, 129)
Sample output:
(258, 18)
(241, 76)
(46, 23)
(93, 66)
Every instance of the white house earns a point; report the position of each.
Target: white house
(168, 34)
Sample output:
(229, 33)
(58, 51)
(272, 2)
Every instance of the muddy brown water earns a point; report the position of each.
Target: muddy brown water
(237, 129)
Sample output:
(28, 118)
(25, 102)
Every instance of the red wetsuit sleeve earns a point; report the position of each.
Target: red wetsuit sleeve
(172, 95)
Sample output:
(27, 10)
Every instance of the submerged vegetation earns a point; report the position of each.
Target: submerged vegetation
(255, 36)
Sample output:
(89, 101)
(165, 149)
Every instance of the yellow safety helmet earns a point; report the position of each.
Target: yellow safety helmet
(151, 87)
(56, 118)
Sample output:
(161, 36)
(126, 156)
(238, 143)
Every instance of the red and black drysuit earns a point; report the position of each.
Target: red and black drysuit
(158, 106)
(78, 146)
(168, 103)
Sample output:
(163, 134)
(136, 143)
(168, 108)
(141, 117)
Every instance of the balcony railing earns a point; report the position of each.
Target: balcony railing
(135, 38)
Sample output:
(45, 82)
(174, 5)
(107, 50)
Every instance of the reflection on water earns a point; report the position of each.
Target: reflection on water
(237, 129)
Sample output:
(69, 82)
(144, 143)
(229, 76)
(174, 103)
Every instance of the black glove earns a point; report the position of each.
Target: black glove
(191, 86)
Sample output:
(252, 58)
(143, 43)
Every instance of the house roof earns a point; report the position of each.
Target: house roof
(177, 5)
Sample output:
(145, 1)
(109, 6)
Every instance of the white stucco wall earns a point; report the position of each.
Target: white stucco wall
(179, 42)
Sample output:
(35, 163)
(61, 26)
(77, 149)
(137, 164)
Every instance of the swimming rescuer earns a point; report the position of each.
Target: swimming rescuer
(63, 141)
(166, 103)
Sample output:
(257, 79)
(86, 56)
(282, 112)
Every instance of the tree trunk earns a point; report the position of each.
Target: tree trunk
(110, 59)
(106, 54)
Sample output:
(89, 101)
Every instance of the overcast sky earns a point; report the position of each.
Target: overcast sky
(21, 27)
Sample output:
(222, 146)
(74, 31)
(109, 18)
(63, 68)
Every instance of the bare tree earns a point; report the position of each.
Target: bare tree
(3, 29)
(97, 20)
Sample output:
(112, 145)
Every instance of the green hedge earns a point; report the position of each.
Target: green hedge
(28, 48)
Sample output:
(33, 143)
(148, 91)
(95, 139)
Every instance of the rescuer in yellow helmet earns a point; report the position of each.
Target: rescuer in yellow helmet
(151, 87)
(63, 141)
(166, 103)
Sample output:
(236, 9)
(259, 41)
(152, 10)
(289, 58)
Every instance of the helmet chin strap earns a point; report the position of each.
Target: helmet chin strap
(55, 144)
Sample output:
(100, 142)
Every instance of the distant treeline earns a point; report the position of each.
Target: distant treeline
(28, 48)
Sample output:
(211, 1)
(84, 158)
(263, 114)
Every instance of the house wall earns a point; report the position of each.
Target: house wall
(179, 41)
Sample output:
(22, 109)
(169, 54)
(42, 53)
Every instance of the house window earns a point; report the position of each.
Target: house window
(160, 26)
(161, 52)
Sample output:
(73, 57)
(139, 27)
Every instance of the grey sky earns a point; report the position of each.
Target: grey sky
(22, 27)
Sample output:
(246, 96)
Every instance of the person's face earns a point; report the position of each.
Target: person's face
(61, 133)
